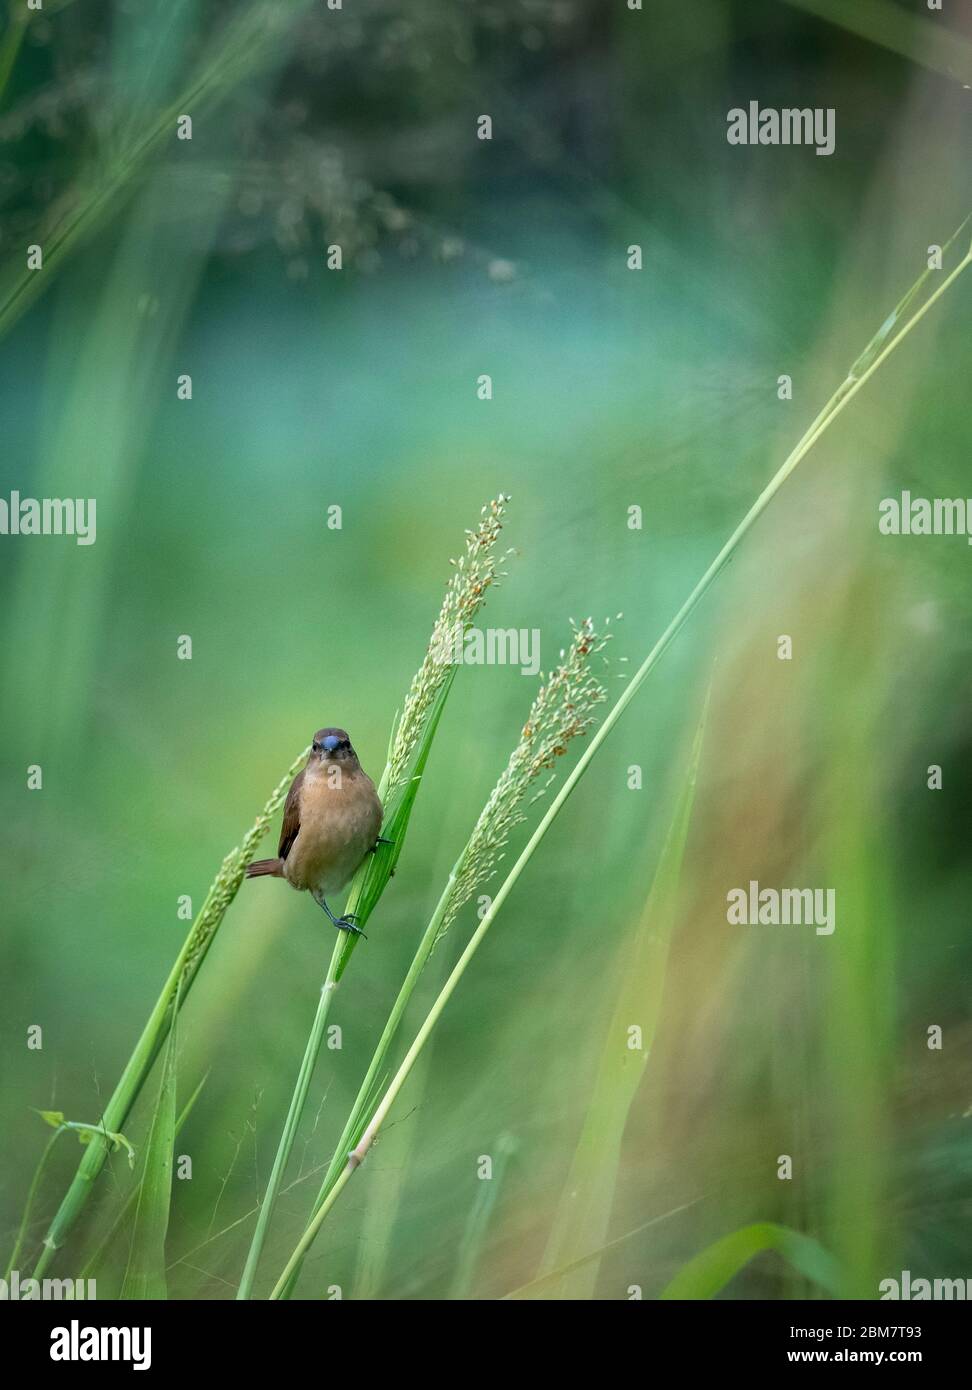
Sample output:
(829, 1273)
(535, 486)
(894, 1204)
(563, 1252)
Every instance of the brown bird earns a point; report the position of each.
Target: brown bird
(331, 820)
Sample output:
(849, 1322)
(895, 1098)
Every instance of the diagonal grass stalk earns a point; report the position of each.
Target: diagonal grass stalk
(560, 711)
(942, 50)
(86, 1133)
(145, 1270)
(361, 900)
(478, 1221)
(864, 367)
(221, 893)
(583, 1214)
(246, 44)
(408, 752)
(98, 1254)
(17, 20)
(29, 1205)
(366, 1092)
(546, 1282)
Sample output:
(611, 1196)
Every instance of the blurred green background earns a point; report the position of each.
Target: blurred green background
(612, 388)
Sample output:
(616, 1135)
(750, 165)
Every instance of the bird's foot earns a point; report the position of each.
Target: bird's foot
(346, 923)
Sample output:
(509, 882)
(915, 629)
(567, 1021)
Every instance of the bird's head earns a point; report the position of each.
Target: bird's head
(333, 746)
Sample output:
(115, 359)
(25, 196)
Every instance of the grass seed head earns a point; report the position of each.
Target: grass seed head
(562, 710)
(473, 573)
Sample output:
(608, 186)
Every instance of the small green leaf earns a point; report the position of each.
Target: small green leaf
(711, 1270)
(86, 1133)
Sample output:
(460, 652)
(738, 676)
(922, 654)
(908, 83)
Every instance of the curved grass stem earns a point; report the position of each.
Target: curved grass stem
(866, 364)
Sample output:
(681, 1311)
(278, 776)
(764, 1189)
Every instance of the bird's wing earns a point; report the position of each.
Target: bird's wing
(291, 816)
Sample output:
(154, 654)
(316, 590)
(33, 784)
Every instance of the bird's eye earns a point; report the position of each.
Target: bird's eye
(316, 747)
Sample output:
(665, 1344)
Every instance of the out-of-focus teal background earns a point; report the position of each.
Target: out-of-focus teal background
(612, 388)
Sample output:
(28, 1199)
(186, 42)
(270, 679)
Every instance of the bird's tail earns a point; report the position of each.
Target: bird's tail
(260, 867)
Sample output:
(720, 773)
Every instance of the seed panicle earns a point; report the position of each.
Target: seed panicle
(562, 710)
(473, 573)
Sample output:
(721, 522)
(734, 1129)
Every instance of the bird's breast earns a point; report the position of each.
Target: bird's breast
(339, 824)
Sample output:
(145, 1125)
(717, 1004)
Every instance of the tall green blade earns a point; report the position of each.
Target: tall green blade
(145, 1275)
(581, 1221)
(94, 1261)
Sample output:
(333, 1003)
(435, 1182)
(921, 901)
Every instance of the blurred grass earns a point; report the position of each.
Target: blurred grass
(145, 1272)
(712, 1269)
(916, 36)
(612, 389)
(581, 1221)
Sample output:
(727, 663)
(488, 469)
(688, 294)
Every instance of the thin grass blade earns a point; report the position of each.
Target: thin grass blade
(582, 1217)
(712, 1269)
(145, 1275)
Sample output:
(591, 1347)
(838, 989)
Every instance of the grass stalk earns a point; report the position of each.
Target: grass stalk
(408, 753)
(145, 1271)
(18, 17)
(246, 44)
(221, 893)
(546, 1282)
(481, 1210)
(881, 346)
(383, 1214)
(29, 1206)
(360, 903)
(367, 1088)
(560, 712)
(98, 1254)
(583, 1214)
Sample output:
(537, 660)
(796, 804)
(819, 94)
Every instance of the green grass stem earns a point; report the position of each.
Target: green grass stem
(865, 365)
